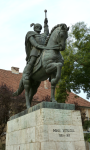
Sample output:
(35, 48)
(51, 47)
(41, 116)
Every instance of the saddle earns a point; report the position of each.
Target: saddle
(37, 64)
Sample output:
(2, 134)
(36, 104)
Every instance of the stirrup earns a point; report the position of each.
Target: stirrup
(27, 77)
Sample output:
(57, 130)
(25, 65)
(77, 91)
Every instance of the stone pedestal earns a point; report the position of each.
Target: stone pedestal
(46, 126)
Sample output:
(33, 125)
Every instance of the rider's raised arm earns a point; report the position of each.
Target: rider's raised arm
(46, 29)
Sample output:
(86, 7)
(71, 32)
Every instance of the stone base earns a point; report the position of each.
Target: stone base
(46, 129)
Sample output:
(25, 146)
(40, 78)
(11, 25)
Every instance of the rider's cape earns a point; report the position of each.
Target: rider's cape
(28, 45)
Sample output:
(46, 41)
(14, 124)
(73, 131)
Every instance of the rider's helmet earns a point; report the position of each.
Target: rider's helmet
(37, 27)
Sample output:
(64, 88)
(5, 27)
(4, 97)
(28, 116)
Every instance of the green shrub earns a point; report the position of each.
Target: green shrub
(86, 124)
(87, 137)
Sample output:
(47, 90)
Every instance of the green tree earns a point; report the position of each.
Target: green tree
(9, 105)
(82, 68)
(75, 73)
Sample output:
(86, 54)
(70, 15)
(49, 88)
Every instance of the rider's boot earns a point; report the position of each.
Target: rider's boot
(29, 71)
(29, 68)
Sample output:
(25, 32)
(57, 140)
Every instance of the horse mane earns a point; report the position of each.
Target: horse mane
(58, 25)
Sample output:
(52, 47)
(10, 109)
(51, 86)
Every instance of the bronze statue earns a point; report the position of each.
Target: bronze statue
(44, 59)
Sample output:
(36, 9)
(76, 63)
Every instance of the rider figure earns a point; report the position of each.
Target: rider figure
(34, 44)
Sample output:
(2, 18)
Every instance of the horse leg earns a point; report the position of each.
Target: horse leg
(58, 74)
(53, 89)
(27, 89)
(54, 81)
(33, 91)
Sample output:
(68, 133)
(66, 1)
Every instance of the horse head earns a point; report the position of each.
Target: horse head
(62, 35)
(58, 35)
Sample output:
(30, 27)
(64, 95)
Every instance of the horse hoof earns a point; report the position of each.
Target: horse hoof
(15, 94)
(53, 82)
(28, 107)
(26, 78)
(54, 101)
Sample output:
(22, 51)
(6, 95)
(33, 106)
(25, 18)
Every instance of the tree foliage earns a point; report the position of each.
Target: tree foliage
(9, 105)
(82, 56)
(87, 137)
(86, 124)
(75, 74)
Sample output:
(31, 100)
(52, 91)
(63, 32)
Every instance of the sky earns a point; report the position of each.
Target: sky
(17, 15)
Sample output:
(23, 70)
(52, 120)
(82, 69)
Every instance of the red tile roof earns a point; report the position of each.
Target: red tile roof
(12, 80)
(79, 100)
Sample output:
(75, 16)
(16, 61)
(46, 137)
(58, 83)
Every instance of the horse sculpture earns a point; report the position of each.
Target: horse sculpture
(51, 64)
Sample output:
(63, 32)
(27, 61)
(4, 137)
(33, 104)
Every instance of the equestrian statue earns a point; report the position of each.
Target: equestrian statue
(44, 59)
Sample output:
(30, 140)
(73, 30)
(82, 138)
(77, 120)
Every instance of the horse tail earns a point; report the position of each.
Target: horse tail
(20, 89)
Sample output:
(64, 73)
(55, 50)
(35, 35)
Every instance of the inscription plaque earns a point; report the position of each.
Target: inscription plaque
(63, 130)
